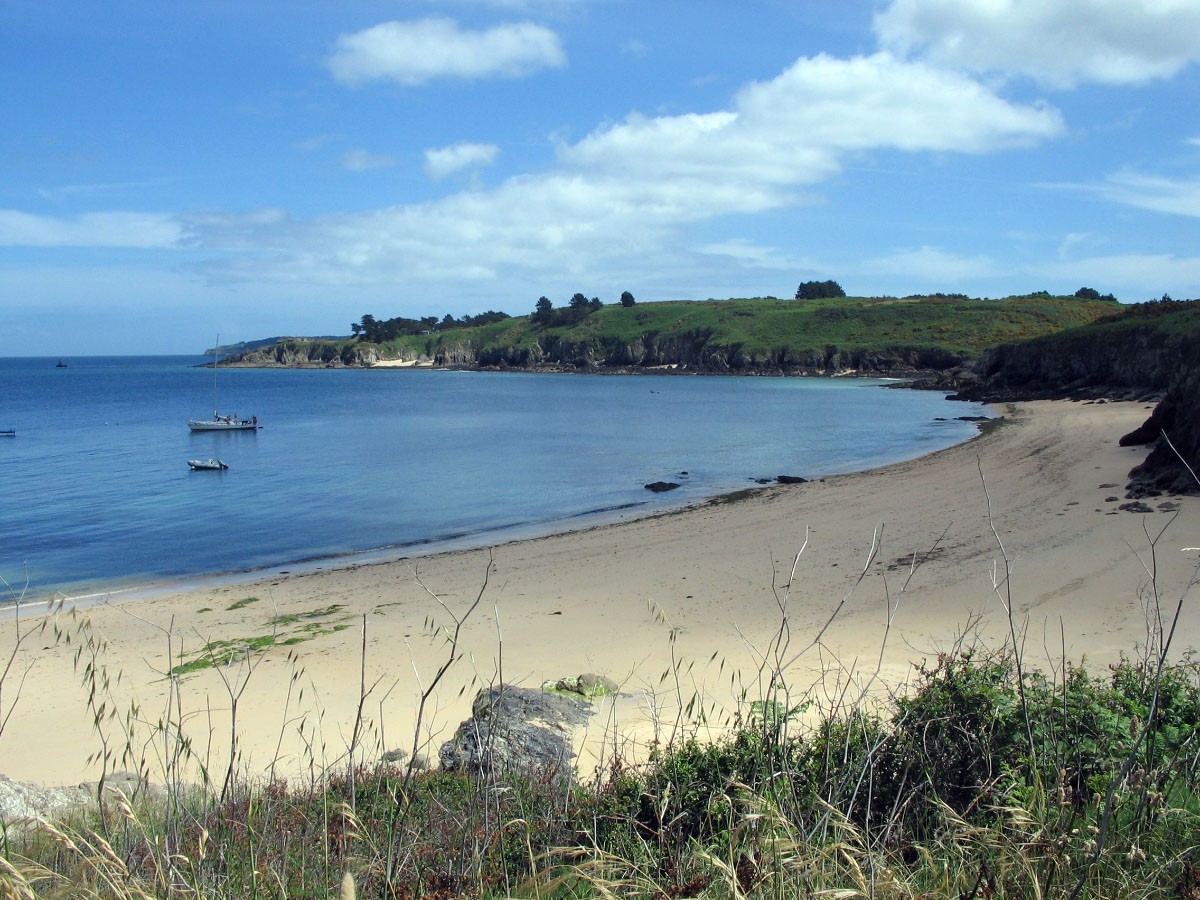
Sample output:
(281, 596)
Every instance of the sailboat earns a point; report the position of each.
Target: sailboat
(219, 422)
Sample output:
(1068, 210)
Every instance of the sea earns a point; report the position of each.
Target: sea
(96, 495)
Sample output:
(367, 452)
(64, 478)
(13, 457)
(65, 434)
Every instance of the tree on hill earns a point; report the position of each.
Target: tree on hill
(577, 309)
(817, 290)
(627, 299)
(1087, 293)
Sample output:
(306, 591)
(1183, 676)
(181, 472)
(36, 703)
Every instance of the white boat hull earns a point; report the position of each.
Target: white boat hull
(207, 465)
(219, 425)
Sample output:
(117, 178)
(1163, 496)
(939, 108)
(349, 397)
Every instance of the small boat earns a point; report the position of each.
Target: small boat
(224, 423)
(8, 432)
(207, 465)
(60, 365)
(219, 422)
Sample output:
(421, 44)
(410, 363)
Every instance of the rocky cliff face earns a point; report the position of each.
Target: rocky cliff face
(308, 354)
(1174, 431)
(1151, 351)
(695, 352)
(1081, 365)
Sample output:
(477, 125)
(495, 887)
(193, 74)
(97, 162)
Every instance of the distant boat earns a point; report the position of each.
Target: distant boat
(207, 465)
(60, 365)
(219, 422)
(10, 432)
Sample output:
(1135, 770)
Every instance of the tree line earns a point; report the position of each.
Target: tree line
(577, 309)
(379, 331)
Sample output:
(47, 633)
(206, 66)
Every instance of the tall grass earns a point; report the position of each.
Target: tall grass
(982, 778)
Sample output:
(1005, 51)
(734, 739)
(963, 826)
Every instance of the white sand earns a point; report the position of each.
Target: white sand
(693, 587)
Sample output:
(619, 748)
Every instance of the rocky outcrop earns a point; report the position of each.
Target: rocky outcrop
(1174, 431)
(516, 729)
(660, 487)
(24, 800)
(1083, 365)
(318, 354)
(692, 351)
(1149, 351)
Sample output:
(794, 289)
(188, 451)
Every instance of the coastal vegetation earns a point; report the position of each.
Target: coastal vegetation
(817, 335)
(982, 780)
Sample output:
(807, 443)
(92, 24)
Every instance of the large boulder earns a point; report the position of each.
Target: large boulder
(516, 729)
(23, 800)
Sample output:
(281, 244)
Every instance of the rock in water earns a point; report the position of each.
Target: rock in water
(516, 729)
(659, 486)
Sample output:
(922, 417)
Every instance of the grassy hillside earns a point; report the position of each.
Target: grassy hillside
(836, 334)
(763, 325)
(765, 333)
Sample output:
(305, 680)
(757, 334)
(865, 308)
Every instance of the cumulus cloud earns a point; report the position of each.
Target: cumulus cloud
(795, 129)
(619, 197)
(98, 229)
(359, 160)
(1060, 42)
(445, 161)
(416, 52)
(624, 191)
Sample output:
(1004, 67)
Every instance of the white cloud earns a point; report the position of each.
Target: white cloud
(624, 191)
(753, 255)
(99, 229)
(415, 52)
(445, 161)
(932, 264)
(795, 129)
(359, 160)
(1130, 188)
(1180, 197)
(1060, 42)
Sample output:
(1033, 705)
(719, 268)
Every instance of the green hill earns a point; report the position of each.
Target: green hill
(873, 335)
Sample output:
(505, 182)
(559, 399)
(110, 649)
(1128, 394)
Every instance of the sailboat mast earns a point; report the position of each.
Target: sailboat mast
(216, 349)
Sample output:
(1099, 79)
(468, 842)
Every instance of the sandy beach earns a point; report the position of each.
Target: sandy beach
(669, 607)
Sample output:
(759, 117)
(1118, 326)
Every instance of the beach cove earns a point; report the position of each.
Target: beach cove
(701, 586)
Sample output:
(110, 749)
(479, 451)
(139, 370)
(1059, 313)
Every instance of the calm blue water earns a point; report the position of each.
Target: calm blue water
(95, 491)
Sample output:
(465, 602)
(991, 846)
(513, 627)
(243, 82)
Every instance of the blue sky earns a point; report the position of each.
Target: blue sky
(173, 170)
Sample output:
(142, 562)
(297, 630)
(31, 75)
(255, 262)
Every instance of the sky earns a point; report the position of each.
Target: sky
(252, 168)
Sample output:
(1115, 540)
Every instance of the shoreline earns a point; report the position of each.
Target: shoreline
(83, 593)
(702, 584)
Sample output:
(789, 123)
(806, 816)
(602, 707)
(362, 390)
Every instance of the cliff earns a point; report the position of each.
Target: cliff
(760, 335)
(694, 351)
(300, 354)
(763, 335)
(1146, 351)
